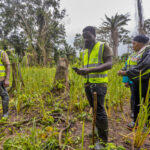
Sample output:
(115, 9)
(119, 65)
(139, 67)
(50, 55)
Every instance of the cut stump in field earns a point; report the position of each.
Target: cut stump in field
(17, 78)
(61, 82)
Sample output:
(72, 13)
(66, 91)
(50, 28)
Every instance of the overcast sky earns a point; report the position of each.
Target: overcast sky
(81, 13)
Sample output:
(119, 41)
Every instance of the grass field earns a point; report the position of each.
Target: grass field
(40, 119)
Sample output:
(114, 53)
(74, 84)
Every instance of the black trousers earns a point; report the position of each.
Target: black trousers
(101, 117)
(132, 99)
(137, 96)
(5, 97)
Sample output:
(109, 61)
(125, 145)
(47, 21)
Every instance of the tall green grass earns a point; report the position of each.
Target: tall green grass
(117, 93)
(142, 122)
(39, 81)
(76, 93)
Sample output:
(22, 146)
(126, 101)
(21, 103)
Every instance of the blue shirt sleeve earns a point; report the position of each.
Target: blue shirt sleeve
(125, 79)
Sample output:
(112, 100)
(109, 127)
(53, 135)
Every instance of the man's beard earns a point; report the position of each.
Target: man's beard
(89, 45)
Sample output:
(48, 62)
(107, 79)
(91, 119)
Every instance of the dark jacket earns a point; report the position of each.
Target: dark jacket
(143, 64)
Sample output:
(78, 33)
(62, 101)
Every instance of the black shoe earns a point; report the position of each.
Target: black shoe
(5, 108)
(131, 125)
(95, 133)
(5, 115)
(102, 127)
(98, 146)
(146, 130)
(132, 115)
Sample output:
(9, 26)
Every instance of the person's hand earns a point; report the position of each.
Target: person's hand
(83, 71)
(6, 83)
(121, 73)
(127, 84)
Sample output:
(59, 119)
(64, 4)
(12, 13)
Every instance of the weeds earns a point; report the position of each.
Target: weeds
(143, 124)
(37, 99)
(36, 140)
(117, 92)
(83, 135)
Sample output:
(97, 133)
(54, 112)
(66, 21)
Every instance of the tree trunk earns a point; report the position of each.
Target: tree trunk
(61, 82)
(17, 78)
(115, 42)
(43, 52)
(140, 17)
(44, 57)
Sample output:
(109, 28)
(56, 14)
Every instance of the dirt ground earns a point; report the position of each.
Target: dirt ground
(118, 132)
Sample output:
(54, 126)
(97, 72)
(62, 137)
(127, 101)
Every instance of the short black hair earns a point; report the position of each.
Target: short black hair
(90, 29)
(141, 39)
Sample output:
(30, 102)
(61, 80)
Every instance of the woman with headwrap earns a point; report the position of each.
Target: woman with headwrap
(141, 71)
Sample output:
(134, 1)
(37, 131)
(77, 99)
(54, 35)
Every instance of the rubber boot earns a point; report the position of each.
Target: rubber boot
(102, 126)
(98, 146)
(132, 115)
(5, 108)
(95, 133)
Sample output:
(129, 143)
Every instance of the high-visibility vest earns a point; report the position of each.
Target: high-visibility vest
(92, 60)
(148, 70)
(2, 67)
(131, 62)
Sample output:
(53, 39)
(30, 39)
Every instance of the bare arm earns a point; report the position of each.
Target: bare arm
(7, 71)
(6, 81)
(105, 66)
(6, 62)
(102, 67)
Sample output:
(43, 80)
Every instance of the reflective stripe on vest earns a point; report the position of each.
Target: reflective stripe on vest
(95, 59)
(2, 67)
(130, 62)
(91, 65)
(130, 66)
(144, 73)
(97, 75)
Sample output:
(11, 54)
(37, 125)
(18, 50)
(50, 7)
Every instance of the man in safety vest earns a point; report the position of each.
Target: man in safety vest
(141, 71)
(97, 58)
(4, 81)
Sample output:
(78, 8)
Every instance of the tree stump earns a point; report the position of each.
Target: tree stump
(61, 82)
(17, 78)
